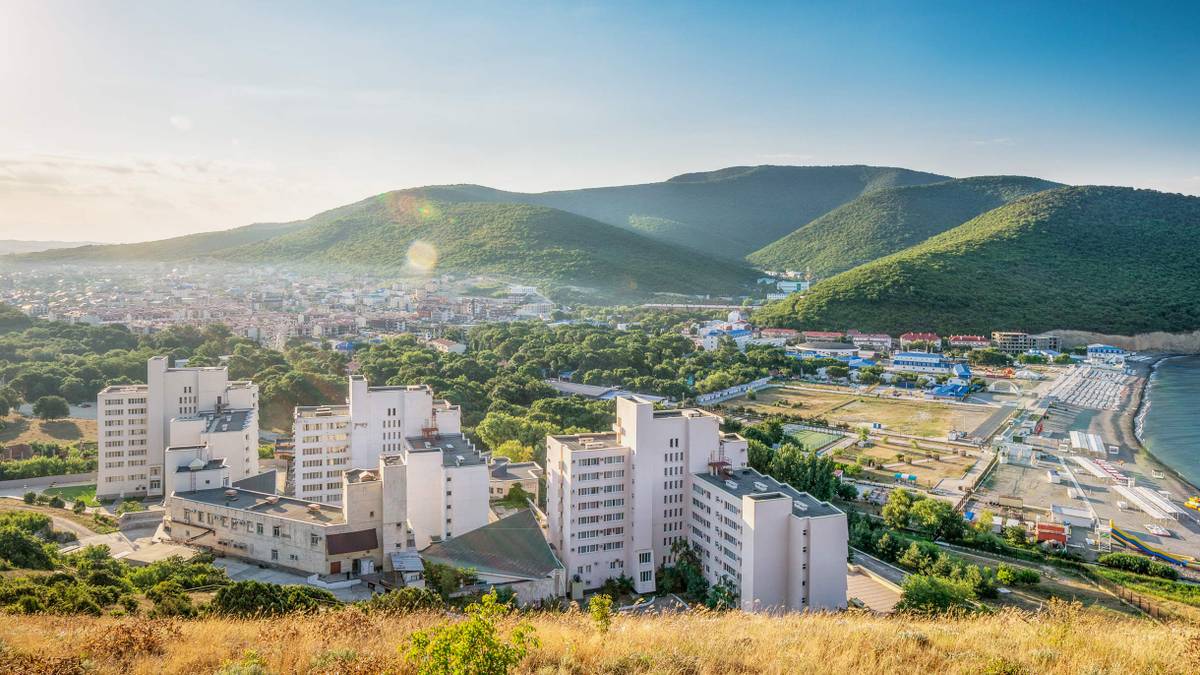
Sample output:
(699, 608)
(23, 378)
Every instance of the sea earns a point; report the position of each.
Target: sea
(1170, 426)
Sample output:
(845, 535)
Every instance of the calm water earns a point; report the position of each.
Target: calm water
(1171, 427)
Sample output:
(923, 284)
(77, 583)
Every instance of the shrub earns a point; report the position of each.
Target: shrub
(254, 598)
(473, 645)
(925, 594)
(130, 506)
(79, 507)
(600, 609)
(22, 549)
(170, 599)
(56, 502)
(403, 600)
(1138, 565)
(1009, 575)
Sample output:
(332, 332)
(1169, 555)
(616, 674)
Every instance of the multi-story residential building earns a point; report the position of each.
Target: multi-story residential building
(932, 340)
(185, 406)
(617, 502)
(1019, 343)
(375, 421)
(881, 342)
(424, 494)
(969, 342)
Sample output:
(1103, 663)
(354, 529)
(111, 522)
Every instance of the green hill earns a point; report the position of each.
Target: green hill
(730, 212)
(882, 222)
(518, 240)
(187, 247)
(1108, 259)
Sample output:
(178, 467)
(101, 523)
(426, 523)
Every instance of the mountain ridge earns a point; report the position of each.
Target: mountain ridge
(1109, 259)
(887, 220)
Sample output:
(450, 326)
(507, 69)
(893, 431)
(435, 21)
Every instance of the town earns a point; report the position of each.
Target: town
(1016, 435)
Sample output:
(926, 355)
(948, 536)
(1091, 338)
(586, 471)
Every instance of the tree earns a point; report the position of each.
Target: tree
(938, 518)
(600, 609)
(472, 646)
(515, 450)
(896, 511)
(403, 601)
(722, 595)
(924, 594)
(51, 408)
(760, 455)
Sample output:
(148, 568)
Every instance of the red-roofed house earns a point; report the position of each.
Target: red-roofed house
(969, 341)
(881, 342)
(779, 332)
(822, 336)
(908, 339)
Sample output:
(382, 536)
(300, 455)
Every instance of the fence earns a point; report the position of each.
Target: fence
(718, 396)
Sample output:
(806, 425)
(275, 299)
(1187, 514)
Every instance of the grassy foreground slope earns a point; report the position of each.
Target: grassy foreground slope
(1060, 641)
(519, 240)
(1106, 259)
(882, 222)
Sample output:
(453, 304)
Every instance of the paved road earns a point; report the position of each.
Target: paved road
(890, 572)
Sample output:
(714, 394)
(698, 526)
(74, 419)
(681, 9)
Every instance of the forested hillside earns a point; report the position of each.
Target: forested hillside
(882, 222)
(1108, 259)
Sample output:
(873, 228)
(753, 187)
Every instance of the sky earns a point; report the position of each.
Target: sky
(128, 121)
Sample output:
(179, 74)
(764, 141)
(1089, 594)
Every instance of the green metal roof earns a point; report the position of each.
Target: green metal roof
(512, 546)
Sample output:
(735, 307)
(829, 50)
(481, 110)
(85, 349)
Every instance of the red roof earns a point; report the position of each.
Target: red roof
(779, 332)
(927, 337)
(968, 338)
(832, 335)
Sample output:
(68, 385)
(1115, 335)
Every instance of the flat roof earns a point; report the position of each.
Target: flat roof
(745, 480)
(452, 447)
(227, 420)
(257, 502)
(321, 410)
(576, 443)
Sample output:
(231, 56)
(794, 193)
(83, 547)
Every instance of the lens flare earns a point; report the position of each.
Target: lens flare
(422, 255)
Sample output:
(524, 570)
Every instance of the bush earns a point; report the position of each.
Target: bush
(925, 594)
(600, 609)
(473, 645)
(170, 599)
(79, 507)
(130, 506)
(1139, 565)
(188, 574)
(56, 502)
(22, 549)
(1010, 576)
(403, 601)
(255, 599)
(30, 497)
(51, 408)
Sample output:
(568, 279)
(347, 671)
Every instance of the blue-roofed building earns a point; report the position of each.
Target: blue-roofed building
(740, 337)
(949, 391)
(1098, 353)
(921, 362)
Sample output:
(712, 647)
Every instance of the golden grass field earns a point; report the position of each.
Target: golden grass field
(899, 415)
(20, 429)
(1062, 640)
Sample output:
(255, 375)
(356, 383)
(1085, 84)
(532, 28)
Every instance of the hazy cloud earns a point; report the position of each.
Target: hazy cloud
(181, 122)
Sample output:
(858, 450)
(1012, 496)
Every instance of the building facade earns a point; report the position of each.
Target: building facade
(617, 502)
(921, 362)
(375, 421)
(137, 423)
(1019, 343)
(433, 490)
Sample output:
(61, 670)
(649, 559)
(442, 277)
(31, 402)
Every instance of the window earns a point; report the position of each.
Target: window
(313, 540)
(275, 531)
(274, 554)
(644, 558)
(646, 576)
(259, 528)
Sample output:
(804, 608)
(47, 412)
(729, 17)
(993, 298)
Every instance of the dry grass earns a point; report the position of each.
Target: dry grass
(20, 429)
(1064, 640)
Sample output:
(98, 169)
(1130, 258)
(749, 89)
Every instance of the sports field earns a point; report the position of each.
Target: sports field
(815, 440)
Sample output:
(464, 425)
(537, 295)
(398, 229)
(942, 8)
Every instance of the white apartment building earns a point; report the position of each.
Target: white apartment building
(617, 501)
(375, 421)
(186, 406)
(425, 494)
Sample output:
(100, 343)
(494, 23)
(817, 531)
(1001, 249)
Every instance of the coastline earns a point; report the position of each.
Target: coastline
(1140, 406)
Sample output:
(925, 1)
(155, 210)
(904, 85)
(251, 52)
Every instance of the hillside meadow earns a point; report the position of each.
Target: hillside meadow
(1064, 639)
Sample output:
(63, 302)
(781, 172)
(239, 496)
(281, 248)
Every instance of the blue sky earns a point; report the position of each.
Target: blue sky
(126, 121)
